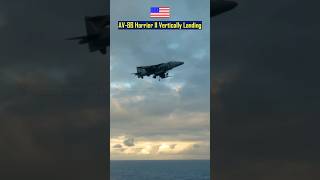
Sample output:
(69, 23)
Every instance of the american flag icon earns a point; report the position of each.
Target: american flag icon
(160, 12)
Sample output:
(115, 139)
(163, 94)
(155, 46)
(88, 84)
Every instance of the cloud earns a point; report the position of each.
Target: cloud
(129, 142)
(117, 146)
(153, 148)
(172, 146)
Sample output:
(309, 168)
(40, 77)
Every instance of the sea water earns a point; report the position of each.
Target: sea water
(161, 170)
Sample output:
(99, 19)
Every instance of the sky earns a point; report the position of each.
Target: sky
(167, 119)
(264, 69)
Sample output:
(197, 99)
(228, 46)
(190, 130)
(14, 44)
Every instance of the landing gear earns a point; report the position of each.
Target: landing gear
(161, 76)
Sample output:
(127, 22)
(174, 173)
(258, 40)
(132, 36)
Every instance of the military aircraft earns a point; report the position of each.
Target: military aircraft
(160, 70)
(97, 38)
(98, 27)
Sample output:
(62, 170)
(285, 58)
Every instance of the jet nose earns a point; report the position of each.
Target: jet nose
(218, 7)
(228, 5)
(231, 4)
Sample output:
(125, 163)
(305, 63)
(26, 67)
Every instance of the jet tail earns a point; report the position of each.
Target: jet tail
(95, 24)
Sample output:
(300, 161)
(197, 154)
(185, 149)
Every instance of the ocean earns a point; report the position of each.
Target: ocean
(161, 170)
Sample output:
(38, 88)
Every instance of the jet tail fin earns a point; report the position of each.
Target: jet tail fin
(95, 24)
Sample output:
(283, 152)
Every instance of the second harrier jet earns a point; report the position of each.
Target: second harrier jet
(160, 70)
(97, 37)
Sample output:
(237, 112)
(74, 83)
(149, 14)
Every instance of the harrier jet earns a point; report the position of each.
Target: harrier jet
(97, 37)
(160, 70)
(98, 27)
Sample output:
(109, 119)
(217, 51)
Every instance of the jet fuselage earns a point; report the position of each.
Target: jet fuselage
(160, 70)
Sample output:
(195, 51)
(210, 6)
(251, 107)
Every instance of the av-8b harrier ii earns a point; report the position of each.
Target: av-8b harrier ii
(160, 70)
(98, 27)
(97, 38)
